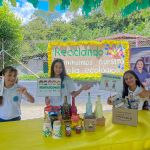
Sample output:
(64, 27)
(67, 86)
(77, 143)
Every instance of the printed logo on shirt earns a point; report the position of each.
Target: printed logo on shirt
(15, 98)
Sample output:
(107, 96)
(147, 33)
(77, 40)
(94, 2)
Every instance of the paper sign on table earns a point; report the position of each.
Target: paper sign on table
(48, 87)
(1, 85)
(111, 82)
(125, 116)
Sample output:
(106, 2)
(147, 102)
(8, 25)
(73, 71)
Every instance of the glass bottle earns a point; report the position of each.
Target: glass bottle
(66, 109)
(73, 107)
(89, 106)
(98, 108)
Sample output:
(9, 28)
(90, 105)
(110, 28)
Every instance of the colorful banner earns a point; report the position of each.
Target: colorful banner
(48, 87)
(91, 57)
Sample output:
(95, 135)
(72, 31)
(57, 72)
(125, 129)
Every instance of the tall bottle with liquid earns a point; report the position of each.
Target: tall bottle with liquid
(66, 109)
(73, 107)
(98, 108)
(89, 106)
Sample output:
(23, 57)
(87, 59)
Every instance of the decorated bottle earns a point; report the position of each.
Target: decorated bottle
(66, 110)
(47, 128)
(57, 130)
(89, 106)
(98, 108)
(73, 107)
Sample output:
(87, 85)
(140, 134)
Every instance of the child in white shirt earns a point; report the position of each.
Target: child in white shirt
(12, 95)
(132, 84)
(67, 85)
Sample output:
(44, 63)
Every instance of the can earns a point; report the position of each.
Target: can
(68, 130)
(78, 129)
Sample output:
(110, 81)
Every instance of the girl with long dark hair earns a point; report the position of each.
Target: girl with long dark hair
(67, 84)
(132, 84)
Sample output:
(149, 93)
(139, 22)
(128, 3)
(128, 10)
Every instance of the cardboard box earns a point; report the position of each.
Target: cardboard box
(90, 123)
(125, 116)
(100, 121)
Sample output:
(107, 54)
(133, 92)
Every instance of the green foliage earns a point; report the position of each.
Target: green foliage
(52, 4)
(33, 31)
(83, 28)
(34, 2)
(10, 34)
(32, 77)
(45, 75)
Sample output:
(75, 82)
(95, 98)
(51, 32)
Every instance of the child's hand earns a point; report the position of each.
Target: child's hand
(86, 87)
(144, 94)
(22, 90)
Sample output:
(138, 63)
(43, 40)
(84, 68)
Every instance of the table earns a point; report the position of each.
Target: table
(27, 135)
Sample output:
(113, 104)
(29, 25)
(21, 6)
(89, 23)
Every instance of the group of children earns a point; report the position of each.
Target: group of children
(13, 93)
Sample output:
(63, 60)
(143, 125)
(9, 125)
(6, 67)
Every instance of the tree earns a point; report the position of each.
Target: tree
(83, 28)
(34, 31)
(10, 34)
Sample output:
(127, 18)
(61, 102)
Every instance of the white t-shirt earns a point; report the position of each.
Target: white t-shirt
(137, 91)
(68, 87)
(10, 107)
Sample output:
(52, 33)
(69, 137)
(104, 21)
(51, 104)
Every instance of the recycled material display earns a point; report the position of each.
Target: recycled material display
(27, 135)
(57, 116)
(46, 87)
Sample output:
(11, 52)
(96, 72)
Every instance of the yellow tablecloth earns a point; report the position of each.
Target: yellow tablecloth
(27, 135)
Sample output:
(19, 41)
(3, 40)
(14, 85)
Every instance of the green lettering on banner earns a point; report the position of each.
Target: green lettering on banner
(77, 52)
(63, 52)
(83, 53)
(69, 52)
(89, 52)
(57, 52)
(101, 52)
(95, 53)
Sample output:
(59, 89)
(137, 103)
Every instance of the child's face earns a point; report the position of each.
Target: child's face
(139, 65)
(130, 80)
(58, 69)
(10, 78)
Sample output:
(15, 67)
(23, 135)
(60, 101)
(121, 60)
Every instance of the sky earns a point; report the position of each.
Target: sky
(24, 10)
